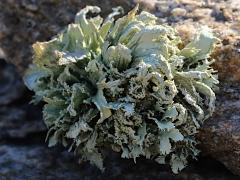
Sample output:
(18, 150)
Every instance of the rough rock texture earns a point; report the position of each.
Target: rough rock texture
(18, 122)
(11, 87)
(220, 136)
(17, 117)
(38, 162)
(228, 58)
(25, 21)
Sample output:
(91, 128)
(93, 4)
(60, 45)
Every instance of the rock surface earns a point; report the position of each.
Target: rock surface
(17, 117)
(39, 162)
(19, 121)
(11, 87)
(220, 136)
(26, 21)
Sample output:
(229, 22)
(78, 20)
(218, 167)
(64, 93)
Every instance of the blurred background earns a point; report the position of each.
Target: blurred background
(23, 151)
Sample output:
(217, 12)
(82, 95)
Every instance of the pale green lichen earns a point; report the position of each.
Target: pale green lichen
(124, 85)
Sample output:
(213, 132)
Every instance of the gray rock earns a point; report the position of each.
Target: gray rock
(220, 136)
(38, 162)
(11, 86)
(19, 122)
(18, 118)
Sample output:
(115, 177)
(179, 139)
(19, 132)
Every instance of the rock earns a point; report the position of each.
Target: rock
(18, 118)
(178, 12)
(228, 58)
(20, 122)
(11, 86)
(39, 162)
(222, 13)
(36, 162)
(149, 5)
(201, 13)
(220, 136)
(2, 55)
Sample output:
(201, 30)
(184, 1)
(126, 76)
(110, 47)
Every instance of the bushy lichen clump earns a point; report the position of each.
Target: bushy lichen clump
(126, 85)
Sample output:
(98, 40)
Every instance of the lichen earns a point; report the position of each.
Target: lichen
(124, 84)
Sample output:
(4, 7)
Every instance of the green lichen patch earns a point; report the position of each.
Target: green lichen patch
(126, 85)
